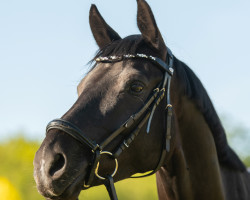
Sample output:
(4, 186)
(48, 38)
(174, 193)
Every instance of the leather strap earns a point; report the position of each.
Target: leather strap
(109, 184)
(131, 137)
(131, 120)
(92, 168)
(167, 136)
(73, 131)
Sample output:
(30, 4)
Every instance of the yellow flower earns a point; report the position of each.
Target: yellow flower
(7, 190)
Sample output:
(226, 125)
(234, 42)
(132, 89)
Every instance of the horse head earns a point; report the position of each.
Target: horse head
(124, 94)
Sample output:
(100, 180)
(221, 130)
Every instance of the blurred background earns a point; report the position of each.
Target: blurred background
(44, 50)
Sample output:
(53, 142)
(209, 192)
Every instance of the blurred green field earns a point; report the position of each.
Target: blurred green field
(16, 177)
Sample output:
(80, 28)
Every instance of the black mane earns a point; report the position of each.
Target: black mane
(194, 90)
(191, 87)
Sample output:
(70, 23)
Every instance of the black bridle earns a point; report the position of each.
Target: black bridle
(145, 114)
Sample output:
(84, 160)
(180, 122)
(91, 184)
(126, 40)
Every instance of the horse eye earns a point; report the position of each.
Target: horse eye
(136, 88)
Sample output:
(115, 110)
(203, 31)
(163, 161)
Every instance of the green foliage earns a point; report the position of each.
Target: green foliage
(16, 157)
(247, 161)
(142, 188)
(238, 137)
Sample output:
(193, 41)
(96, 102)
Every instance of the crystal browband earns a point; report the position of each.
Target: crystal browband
(155, 60)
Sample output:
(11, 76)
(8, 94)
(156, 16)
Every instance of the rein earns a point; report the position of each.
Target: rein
(145, 114)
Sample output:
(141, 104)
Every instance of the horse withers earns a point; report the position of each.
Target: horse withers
(139, 109)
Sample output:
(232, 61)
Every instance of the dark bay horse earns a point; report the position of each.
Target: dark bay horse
(128, 113)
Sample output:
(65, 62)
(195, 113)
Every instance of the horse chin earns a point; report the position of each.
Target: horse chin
(70, 193)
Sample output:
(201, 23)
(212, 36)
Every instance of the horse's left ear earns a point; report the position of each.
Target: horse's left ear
(102, 32)
(148, 27)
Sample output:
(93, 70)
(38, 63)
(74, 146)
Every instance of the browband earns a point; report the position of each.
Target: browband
(155, 60)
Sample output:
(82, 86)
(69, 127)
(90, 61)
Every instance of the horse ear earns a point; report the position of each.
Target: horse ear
(148, 27)
(102, 32)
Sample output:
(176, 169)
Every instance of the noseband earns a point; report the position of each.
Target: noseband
(137, 120)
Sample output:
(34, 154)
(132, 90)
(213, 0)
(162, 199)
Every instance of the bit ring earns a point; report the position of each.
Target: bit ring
(97, 166)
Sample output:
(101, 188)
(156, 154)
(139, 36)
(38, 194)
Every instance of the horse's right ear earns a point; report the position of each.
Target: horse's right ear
(102, 32)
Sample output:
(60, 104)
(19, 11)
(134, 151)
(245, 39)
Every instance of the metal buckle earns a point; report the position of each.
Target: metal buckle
(125, 143)
(156, 90)
(85, 186)
(169, 106)
(97, 167)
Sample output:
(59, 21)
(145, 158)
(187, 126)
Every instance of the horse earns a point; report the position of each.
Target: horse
(142, 108)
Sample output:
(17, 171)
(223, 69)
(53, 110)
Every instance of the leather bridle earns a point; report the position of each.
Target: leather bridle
(137, 120)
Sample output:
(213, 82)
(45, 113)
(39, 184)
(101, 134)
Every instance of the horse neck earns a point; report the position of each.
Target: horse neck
(193, 172)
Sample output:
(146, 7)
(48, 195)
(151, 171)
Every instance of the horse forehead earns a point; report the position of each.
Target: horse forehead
(121, 69)
(110, 72)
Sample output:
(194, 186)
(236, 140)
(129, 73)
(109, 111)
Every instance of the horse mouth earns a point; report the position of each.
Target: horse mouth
(71, 192)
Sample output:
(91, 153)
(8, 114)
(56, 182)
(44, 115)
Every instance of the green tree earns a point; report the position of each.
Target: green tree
(238, 137)
(16, 157)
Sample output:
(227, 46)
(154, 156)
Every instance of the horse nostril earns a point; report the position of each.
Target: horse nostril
(57, 164)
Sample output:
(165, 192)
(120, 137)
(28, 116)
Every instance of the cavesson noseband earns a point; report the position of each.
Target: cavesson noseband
(137, 120)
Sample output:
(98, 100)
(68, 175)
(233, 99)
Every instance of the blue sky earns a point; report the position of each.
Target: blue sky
(45, 47)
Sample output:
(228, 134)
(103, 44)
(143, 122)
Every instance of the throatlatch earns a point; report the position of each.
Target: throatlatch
(137, 120)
